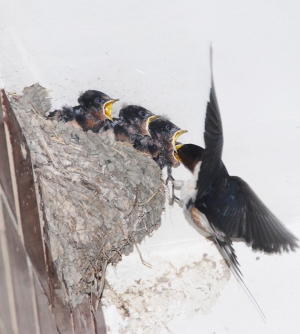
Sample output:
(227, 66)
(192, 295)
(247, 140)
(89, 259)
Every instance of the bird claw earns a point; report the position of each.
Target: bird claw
(174, 184)
(174, 198)
(170, 177)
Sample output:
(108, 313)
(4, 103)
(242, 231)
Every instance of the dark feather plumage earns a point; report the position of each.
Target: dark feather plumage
(160, 144)
(89, 114)
(132, 123)
(231, 207)
(66, 114)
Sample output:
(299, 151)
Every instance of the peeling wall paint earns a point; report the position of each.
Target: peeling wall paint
(146, 300)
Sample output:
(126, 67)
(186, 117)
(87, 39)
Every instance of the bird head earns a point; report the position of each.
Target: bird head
(98, 103)
(164, 131)
(189, 155)
(165, 134)
(137, 117)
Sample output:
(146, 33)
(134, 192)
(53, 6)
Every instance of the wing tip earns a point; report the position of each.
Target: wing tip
(291, 243)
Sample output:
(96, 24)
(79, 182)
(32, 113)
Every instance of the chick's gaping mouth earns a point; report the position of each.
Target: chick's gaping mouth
(149, 120)
(176, 155)
(175, 145)
(107, 108)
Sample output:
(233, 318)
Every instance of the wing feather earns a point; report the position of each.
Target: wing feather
(213, 137)
(246, 216)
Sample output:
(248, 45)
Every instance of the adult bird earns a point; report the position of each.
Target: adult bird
(225, 206)
(93, 112)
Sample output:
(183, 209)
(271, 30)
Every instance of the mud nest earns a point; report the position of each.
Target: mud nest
(97, 197)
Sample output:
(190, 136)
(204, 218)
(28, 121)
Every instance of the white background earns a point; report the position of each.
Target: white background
(156, 54)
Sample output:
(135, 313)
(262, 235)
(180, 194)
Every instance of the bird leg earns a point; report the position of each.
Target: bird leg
(170, 176)
(173, 198)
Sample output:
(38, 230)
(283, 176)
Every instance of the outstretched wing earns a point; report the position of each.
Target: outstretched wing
(213, 137)
(244, 215)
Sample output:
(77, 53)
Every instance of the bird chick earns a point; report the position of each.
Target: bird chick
(93, 112)
(161, 144)
(133, 123)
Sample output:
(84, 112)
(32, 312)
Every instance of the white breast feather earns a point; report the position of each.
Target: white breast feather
(189, 191)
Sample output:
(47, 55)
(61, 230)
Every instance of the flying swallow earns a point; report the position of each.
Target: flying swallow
(133, 123)
(225, 206)
(93, 112)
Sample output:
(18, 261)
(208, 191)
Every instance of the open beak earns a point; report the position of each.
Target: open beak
(175, 137)
(176, 155)
(149, 120)
(175, 146)
(107, 108)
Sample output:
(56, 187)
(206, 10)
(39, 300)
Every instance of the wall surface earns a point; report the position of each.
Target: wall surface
(156, 54)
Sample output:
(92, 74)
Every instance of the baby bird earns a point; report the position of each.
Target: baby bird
(93, 112)
(161, 146)
(133, 123)
(161, 143)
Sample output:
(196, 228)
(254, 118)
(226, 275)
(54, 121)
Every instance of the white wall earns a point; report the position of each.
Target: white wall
(156, 53)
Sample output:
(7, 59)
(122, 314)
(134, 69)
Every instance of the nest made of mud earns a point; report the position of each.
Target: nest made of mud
(97, 197)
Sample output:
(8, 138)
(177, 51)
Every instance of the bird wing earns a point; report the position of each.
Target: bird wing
(244, 215)
(213, 137)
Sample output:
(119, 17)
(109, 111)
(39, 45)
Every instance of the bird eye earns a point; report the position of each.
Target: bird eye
(142, 113)
(168, 127)
(98, 100)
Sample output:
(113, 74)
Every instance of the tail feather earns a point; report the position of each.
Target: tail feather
(228, 252)
(66, 114)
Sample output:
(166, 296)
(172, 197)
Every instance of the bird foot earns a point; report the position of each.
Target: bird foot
(175, 184)
(170, 177)
(174, 199)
